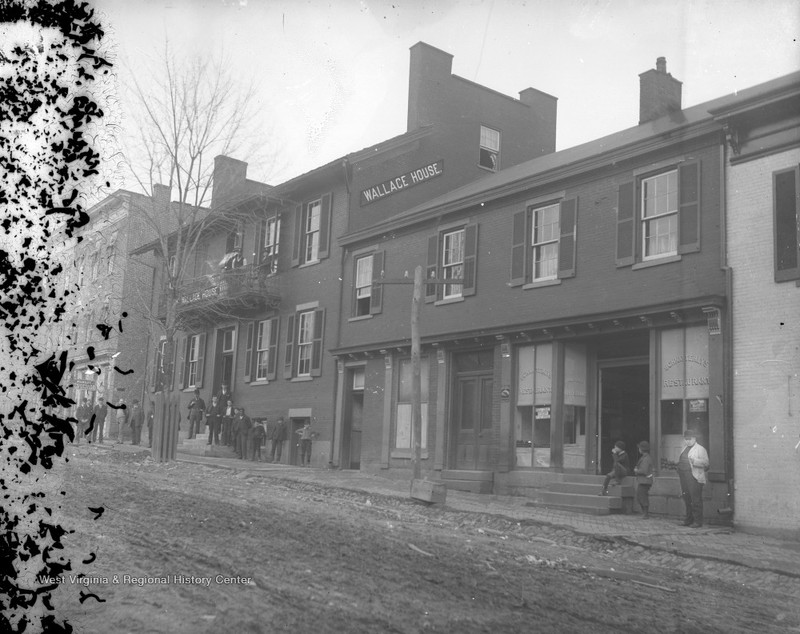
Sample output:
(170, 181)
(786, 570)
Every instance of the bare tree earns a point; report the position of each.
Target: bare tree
(187, 112)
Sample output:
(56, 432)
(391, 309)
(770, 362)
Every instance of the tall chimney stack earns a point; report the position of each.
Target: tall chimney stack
(659, 92)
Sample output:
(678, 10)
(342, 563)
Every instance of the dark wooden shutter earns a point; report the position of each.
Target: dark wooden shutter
(567, 245)
(259, 250)
(689, 207)
(288, 360)
(155, 369)
(470, 260)
(272, 362)
(297, 247)
(519, 247)
(181, 364)
(316, 349)
(626, 224)
(248, 353)
(325, 226)
(432, 270)
(376, 299)
(201, 354)
(785, 191)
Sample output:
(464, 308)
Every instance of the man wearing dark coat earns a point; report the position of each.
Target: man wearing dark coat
(84, 415)
(278, 437)
(99, 420)
(243, 426)
(214, 420)
(137, 422)
(197, 407)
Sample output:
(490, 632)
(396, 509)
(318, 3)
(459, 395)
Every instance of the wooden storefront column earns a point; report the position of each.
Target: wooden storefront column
(655, 392)
(388, 395)
(441, 409)
(557, 408)
(505, 448)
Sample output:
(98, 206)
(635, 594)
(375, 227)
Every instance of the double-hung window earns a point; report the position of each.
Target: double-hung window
(659, 208)
(271, 231)
(312, 231)
(489, 157)
(785, 192)
(304, 336)
(368, 292)
(544, 242)
(452, 255)
(261, 354)
(191, 360)
(659, 214)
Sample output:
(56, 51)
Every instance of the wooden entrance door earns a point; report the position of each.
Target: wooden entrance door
(472, 423)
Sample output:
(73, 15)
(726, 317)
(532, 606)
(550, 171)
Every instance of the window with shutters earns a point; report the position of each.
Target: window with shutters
(269, 244)
(544, 243)
(304, 335)
(192, 359)
(261, 354)
(452, 255)
(312, 231)
(262, 349)
(367, 290)
(404, 429)
(786, 211)
(658, 216)
(659, 209)
(489, 156)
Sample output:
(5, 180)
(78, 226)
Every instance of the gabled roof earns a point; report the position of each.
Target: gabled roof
(687, 123)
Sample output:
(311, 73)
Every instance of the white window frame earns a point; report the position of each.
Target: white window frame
(193, 355)
(404, 428)
(664, 214)
(232, 346)
(311, 231)
(363, 284)
(262, 349)
(544, 240)
(490, 141)
(272, 231)
(305, 342)
(453, 262)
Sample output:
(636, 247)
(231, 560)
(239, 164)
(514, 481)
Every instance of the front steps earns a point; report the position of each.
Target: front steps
(579, 493)
(198, 446)
(471, 481)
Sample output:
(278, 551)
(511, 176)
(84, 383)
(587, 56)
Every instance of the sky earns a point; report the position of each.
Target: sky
(332, 76)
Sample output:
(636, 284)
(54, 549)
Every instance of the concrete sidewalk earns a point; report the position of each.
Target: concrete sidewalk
(718, 544)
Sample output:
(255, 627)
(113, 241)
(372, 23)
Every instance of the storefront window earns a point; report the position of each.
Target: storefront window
(574, 416)
(684, 390)
(533, 412)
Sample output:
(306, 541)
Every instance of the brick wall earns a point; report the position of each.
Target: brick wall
(766, 356)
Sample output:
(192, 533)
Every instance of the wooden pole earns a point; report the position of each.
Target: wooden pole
(416, 408)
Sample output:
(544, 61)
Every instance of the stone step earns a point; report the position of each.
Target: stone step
(577, 500)
(593, 488)
(470, 486)
(586, 510)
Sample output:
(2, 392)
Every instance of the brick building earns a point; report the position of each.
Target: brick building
(594, 308)
(266, 297)
(762, 178)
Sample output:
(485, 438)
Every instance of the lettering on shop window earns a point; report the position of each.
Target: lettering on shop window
(697, 380)
(686, 358)
(403, 181)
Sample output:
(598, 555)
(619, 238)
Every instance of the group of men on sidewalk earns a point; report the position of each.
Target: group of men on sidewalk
(91, 421)
(229, 425)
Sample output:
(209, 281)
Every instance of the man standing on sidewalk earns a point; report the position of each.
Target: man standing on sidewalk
(121, 416)
(137, 422)
(84, 415)
(278, 437)
(692, 466)
(99, 420)
(196, 409)
(214, 420)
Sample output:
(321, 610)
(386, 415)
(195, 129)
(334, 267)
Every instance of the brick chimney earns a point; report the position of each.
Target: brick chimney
(429, 69)
(229, 178)
(161, 197)
(659, 92)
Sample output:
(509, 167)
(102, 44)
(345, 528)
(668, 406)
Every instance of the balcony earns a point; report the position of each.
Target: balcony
(238, 292)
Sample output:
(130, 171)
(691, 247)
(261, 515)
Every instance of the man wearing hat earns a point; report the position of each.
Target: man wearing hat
(644, 478)
(692, 466)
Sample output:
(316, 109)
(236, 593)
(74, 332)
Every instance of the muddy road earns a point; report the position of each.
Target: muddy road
(188, 548)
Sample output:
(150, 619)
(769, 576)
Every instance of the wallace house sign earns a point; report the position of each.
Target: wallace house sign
(399, 183)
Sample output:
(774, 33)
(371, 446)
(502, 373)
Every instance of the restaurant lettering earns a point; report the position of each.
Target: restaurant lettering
(404, 181)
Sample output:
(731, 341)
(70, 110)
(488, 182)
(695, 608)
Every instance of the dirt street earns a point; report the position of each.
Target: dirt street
(258, 554)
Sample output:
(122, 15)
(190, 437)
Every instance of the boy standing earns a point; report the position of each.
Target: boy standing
(644, 478)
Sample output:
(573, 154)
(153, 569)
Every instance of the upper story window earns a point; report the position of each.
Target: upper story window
(658, 215)
(312, 231)
(659, 207)
(304, 335)
(453, 262)
(192, 358)
(490, 149)
(368, 294)
(543, 243)
(785, 193)
(452, 255)
(269, 244)
(261, 356)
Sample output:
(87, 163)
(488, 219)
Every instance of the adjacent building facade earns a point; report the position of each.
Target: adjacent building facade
(762, 181)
